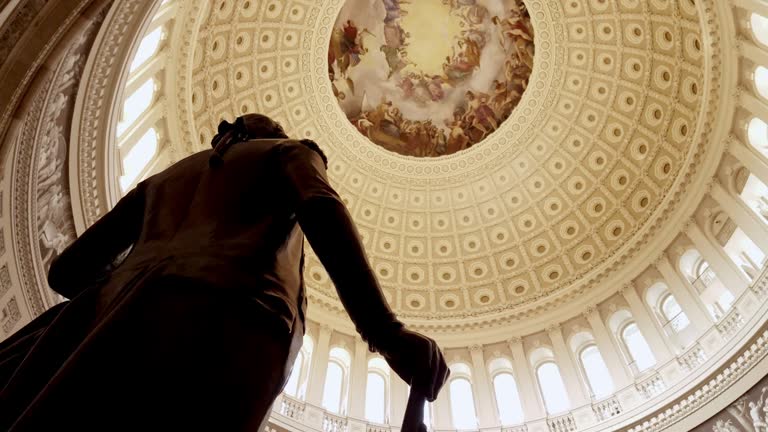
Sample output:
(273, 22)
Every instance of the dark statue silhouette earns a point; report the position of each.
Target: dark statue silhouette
(198, 327)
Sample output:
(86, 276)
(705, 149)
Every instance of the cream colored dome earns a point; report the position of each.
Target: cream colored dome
(561, 197)
(616, 215)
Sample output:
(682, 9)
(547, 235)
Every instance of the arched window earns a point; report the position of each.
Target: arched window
(296, 385)
(334, 380)
(376, 390)
(755, 195)
(598, 375)
(760, 28)
(375, 398)
(757, 132)
(138, 158)
(138, 102)
(292, 386)
(638, 348)
(673, 313)
(462, 404)
(552, 388)
(147, 48)
(508, 399)
(761, 81)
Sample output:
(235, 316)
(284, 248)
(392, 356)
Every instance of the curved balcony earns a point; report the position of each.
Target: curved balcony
(681, 383)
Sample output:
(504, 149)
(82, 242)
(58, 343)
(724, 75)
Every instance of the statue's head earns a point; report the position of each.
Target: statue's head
(246, 127)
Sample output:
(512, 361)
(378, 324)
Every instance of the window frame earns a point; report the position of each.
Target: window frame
(387, 392)
(508, 371)
(536, 368)
(628, 352)
(583, 370)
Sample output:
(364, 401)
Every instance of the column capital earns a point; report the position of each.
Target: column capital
(515, 340)
(325, 327)
(474, 348)
(689, 225)
(554, 329)
(661, 259)
(626, 289)
(589, 311)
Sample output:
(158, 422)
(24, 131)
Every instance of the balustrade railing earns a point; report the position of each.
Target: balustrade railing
(563, 423)
(651, 386)
(334, 423)
(760, 286)
(692, 358)
(677, 323)
(730, 323)
(521, 428)
(291, 408)
(606, 409)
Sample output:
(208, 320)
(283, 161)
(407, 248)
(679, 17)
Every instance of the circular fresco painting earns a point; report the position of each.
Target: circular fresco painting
(430, 78)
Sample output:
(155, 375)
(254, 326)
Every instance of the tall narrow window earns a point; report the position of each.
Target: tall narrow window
(508, 399)
(552, 388)
(638, 348)
(375, 398)
(138, 102)
(292, 386)
(462, 404)
(334, 381)
(758, 135)
(676, 318)
(761, 81)
(147, 48)
(760, 28)
(138, 158)
(598, 375)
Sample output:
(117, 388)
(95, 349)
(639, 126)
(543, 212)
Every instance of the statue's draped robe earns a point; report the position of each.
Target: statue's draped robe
(197, 329)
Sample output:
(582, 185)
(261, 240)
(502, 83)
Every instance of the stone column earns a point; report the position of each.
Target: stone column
(398, 398)
(533, 407)
(750, 158)
(682, 290)
(486, 408)
(358, 379)
(616, 366)
(443, 418)
(724, 268)
(319, 367)
(744, 217)
(576, 393)
(656, 341)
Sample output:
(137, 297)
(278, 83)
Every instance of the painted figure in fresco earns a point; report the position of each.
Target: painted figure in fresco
(455, 4)
(477, 113)
(481, 116)
(435, 86)
(394, 10)
(346, 47)
(396, 59)
(395, 36)
(516, 29)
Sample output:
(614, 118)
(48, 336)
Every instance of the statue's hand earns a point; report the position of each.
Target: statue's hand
(417, 360)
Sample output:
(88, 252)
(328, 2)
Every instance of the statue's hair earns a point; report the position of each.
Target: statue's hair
(248, 127)
(245, 127)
